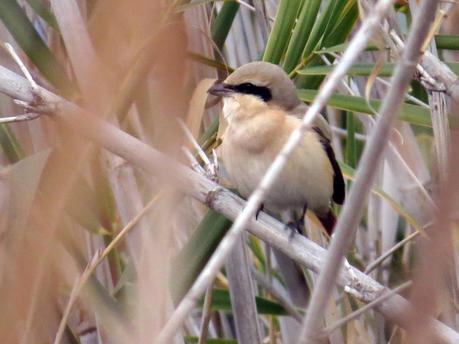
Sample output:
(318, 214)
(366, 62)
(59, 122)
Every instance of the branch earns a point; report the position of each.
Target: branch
(356, 46)
(367, 307)
(242, 295)
(268, 229)
(374, 149)
(206, 314)
(436, 72)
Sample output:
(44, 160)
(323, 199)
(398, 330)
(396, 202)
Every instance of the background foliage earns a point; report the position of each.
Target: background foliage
(143, 65)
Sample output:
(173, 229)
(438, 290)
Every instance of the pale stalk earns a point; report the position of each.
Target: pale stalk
(144, 157)
(368, 167)
(356, 46)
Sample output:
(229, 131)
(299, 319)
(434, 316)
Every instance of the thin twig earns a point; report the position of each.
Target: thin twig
(194, 163)
(343, 133)
(329, 329)
(373, 265)
(374, 150)
(381, 80)
(206, 313)
(356, 46)
(245, 4)
(74, 294)
(302, 250)
(210, 167)
(98, 257)
(19, 118)
(21, 65)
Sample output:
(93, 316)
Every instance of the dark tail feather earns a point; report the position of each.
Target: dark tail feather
(328, 221)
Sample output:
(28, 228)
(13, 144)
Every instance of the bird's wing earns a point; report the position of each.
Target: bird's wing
(339, 189)
(319, 122)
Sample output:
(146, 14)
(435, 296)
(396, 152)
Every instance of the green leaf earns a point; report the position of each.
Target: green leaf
(221, 301)
(210, 62)
(339, 48)
(193, 340)
(257, 251)
(194, 256)
(341, 23)
(319, 29)
(362, 69)
(223, 22)
(410, 113)
(445, 42)
(44, 13)
(281, 31)
(33, 45)
(10, 145)
(333, 29)
(301, 32)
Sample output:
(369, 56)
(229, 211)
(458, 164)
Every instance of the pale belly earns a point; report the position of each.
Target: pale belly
(306, 179)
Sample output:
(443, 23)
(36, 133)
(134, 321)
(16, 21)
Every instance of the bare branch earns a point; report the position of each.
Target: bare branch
(21, 65)
(206, 313)
(302, 250)
(19, 118)
(374, 149)
(242, 293)
(329, 329)
(373, 265)
(356, 46)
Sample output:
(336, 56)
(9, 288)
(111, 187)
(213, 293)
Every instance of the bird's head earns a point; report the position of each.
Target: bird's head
(258, 82)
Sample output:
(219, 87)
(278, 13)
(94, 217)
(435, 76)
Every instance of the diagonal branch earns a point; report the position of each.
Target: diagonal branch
(371, 157)
(302, 250)
(357, 45)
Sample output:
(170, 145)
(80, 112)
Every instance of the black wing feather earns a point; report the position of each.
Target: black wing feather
(339, 188)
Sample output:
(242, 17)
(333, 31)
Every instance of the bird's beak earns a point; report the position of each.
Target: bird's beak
(220, 89)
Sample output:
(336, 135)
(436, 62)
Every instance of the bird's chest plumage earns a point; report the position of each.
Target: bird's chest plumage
(251, 145)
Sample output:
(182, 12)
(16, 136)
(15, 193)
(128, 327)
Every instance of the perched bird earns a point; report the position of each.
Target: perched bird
(262, 109)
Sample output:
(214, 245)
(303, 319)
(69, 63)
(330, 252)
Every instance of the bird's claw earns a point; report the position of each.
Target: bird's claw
(295, 227)
(260, 209)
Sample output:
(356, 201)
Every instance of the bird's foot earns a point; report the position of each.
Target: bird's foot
(260, 209)
(295, 227)
(303, 213)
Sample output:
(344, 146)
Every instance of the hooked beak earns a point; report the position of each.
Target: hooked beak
(220, 89)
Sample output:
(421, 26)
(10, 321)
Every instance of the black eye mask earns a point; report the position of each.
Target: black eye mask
(259, 91)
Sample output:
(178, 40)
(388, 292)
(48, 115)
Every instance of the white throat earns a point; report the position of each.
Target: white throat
(230, 106)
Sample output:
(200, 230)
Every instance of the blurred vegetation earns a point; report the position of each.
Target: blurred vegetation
(152, 55)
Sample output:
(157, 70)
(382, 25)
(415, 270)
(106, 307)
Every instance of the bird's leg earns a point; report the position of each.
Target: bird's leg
(298, 225)
(292, 226)
(260, 209)
(303, 214)
(305, 209)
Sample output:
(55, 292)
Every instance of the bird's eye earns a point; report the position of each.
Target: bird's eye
(260, 91)
(246, 85)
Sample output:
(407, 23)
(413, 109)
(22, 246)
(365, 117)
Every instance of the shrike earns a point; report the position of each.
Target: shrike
(262, 108)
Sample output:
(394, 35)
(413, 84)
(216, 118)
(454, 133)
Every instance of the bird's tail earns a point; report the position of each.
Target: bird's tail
(328, 221)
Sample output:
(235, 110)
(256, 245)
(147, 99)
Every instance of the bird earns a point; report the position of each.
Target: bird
(261, 106)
